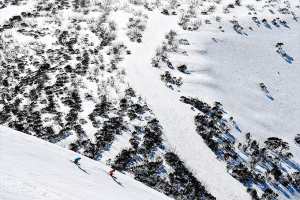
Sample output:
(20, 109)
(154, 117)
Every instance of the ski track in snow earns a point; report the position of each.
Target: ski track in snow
(171, 112)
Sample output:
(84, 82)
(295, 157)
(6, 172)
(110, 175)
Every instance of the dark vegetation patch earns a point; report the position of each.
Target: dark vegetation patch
(161, 60)
(73, 93)
(136, 26)
(267, 167)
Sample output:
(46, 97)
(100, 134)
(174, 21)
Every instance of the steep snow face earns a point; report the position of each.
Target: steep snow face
(31, 168)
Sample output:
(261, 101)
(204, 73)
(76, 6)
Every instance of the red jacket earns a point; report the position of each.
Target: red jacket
(111, 172)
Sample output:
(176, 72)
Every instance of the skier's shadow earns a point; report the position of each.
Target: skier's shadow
(79, 167)
(118, 182)
(82, 169)
(270, 97)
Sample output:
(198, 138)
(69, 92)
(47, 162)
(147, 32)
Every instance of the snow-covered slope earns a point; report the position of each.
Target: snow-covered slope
(31, 168)
(224, 67)
(237, 65)
(176, 118)
(180, 94)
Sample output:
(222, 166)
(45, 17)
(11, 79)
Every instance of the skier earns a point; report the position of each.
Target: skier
(76, 161)
(263, 87)
(111, 173)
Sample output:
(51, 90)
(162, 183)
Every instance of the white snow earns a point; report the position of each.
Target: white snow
(228, 70)
(231, 71)
(225, 67)
(175, 117)
(32, 169)
(10, 11)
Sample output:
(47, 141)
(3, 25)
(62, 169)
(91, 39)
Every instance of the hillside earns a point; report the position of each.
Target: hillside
(196, 99)
(34, 169)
